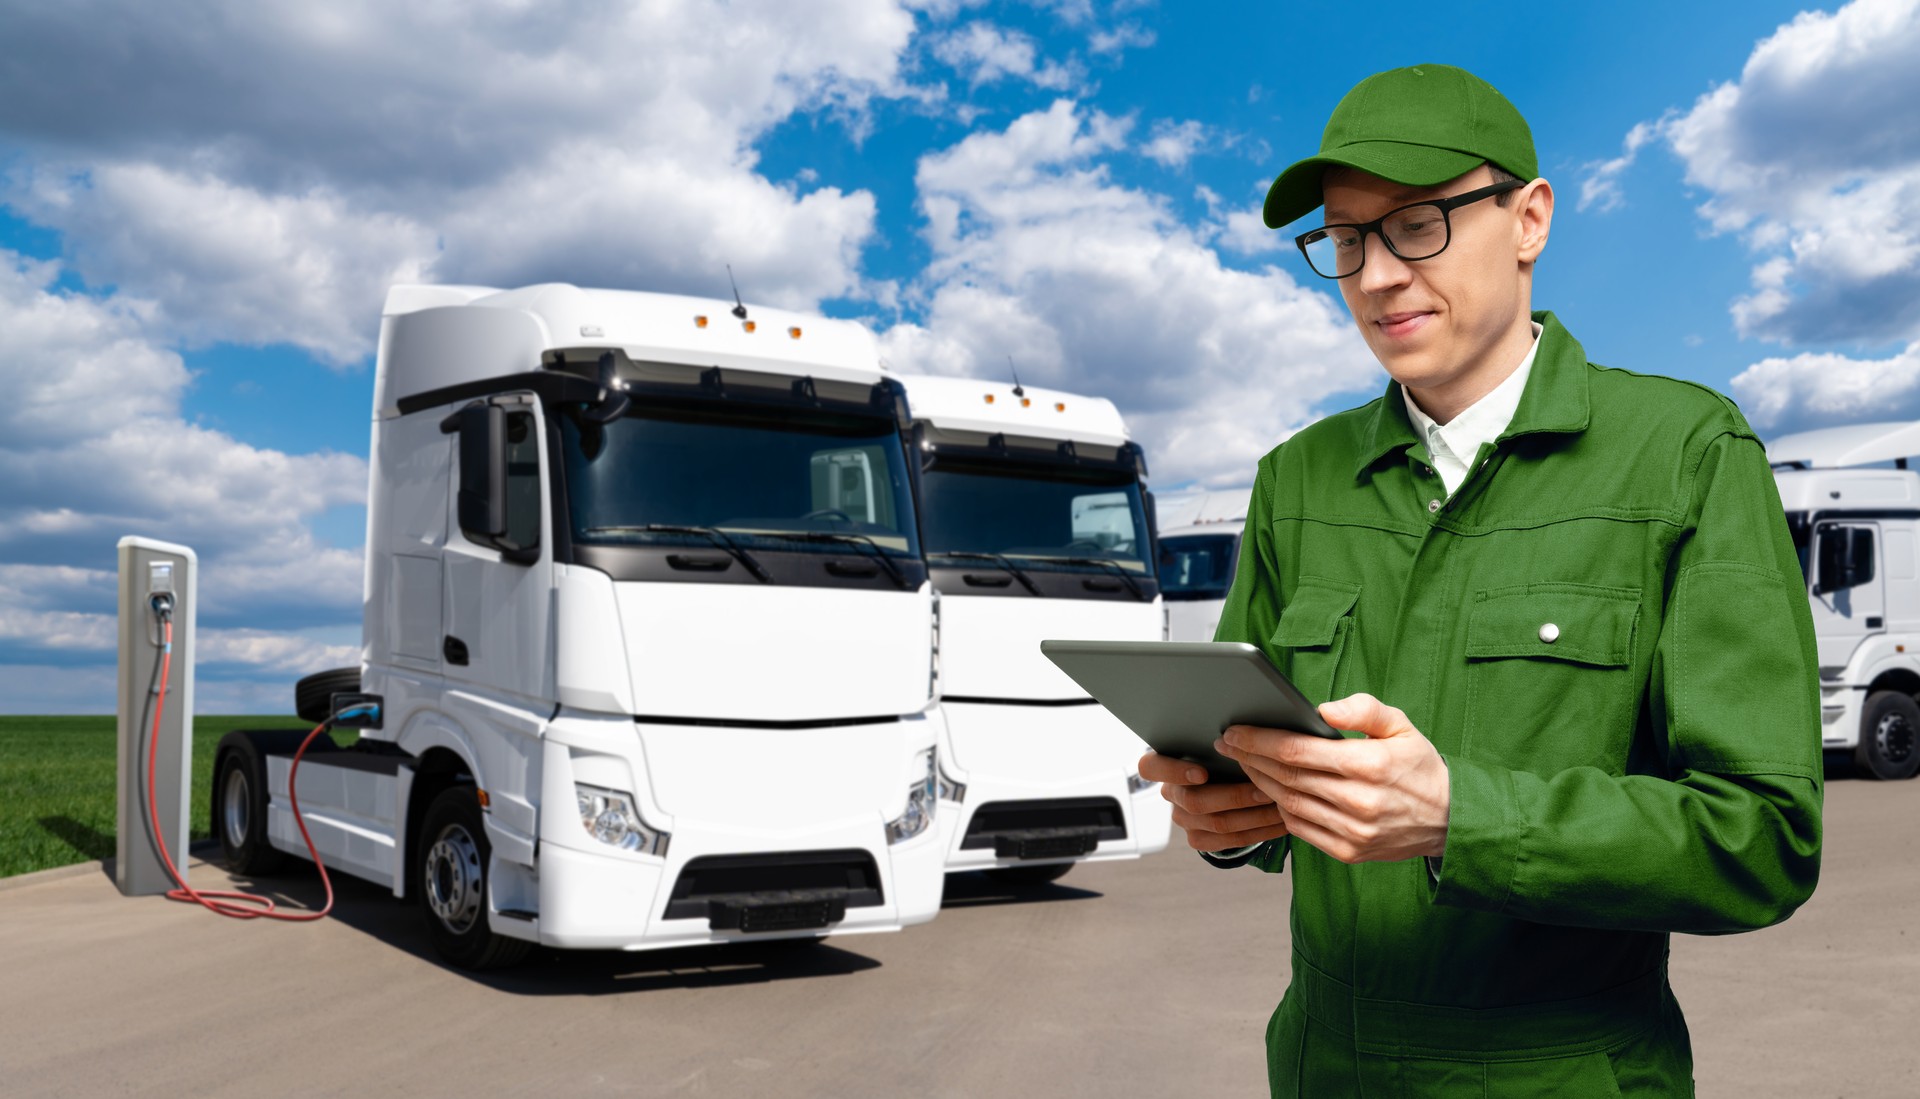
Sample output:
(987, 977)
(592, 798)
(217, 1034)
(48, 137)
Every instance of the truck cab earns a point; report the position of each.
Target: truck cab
(1037, 524)
(648, 626)
(1199, 550)
(1853, 508)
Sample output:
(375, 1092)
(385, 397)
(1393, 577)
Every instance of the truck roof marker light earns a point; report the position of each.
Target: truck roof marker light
(989, 398)
(794, 332)
(748, 325)
(1026, 402)
(700, 320)
(1059, 406)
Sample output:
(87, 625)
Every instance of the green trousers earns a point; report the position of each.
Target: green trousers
(1324, 1043)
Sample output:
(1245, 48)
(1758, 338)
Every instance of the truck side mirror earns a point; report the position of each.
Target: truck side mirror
(483, 470)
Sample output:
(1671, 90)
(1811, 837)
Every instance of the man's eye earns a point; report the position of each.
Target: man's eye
(1344, 240)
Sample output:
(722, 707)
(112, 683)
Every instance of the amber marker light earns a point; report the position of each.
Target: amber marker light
(748, 325)
(794, 332)
(1059, 406)
(700, 321)
(989, 398)
(1026, 402)
(484, 800)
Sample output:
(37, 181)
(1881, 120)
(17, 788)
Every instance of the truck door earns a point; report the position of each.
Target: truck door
(1848, 587)
(499, 588)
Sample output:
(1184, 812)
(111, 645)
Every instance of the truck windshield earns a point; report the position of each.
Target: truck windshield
(1196, 566)
(764, 479)
(1069, 518)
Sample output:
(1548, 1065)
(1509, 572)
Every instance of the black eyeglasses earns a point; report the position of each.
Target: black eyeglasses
(1420, 231)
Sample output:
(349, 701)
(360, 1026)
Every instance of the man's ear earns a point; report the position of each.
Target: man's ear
(1536, 219)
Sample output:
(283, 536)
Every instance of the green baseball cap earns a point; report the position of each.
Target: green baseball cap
(1421, 126)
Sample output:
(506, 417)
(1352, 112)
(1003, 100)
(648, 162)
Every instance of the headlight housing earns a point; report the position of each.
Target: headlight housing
(921, 798)
(610, 817)
(947, 787)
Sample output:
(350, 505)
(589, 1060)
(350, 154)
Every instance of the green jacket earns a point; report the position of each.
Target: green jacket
(1654, 768)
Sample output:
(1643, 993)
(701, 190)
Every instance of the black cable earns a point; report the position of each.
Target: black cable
(140, 746)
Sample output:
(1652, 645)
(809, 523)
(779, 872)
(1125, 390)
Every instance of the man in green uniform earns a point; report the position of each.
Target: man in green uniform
(1559, 604)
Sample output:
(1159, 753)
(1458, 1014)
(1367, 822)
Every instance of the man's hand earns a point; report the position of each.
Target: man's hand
(1216, 815)
(1375, 800)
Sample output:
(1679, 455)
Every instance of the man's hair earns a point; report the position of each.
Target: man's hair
(1501, 175)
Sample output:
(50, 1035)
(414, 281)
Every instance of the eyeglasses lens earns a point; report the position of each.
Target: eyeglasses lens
(1416, 232)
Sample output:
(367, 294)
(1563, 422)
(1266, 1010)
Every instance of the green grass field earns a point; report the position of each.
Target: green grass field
(57, 785)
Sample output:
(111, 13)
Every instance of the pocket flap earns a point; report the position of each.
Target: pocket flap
(1311, 616)
(1577, 622)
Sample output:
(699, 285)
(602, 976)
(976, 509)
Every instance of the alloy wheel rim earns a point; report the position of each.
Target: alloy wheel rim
(452, 874)
(235, 810)
(1896, 736)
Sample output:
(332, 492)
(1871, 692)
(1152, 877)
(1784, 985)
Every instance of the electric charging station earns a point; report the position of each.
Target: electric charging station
(154, 573)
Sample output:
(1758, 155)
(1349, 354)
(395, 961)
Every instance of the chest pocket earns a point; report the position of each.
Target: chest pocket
(1550, 681)
(1314, 630)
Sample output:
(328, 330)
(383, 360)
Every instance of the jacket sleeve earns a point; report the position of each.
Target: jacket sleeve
(1251, 614)
(1728, 837)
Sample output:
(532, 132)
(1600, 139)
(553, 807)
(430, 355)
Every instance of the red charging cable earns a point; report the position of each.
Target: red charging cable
(241, 906)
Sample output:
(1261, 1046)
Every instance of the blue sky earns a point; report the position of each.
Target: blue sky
(201, 206)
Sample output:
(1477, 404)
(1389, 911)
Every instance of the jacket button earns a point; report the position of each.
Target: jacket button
(1433, 505)
(1549, 633)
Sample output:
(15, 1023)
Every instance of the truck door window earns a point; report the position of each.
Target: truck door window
(523, 483)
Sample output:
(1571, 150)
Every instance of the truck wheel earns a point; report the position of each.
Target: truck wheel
(313, 696)
(1029, 875)
(453, 884)
(1889, 736)
(240, 811)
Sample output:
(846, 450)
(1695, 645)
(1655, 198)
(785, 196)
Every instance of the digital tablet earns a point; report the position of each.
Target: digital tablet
(1179, 696)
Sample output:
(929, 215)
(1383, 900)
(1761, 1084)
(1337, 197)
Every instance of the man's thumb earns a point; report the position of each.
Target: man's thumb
(1364, 713)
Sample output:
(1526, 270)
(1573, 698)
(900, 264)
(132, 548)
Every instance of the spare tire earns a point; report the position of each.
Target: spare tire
(313, 696)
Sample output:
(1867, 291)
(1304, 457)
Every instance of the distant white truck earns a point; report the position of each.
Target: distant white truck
(1199, 550)
(1037, 524)
(1857, 531)
(648, 628)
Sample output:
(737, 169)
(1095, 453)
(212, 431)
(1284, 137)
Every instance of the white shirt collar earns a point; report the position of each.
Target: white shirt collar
(1455, 444)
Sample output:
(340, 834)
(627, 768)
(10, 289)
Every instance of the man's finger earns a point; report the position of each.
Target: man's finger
(1215, 797)
(1294, 749)
(1155, 767)
(1231, 822)
(1211, 841)
(1363, 713)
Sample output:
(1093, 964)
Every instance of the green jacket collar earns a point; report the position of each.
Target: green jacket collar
(1555, 400)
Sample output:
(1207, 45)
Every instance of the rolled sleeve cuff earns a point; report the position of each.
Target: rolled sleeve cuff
(1483, 838)
(1232, 856)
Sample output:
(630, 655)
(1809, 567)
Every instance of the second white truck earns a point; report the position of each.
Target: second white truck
(1037, 524)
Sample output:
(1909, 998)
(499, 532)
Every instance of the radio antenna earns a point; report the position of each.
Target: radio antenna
(1017, 391)
(739, 307)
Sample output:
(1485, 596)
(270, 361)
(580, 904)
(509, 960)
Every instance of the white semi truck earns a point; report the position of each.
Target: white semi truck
(1199, 549)
(1857, 530)
(647, 626)
(1037, 521)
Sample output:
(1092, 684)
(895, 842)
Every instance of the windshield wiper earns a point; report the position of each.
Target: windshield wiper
(1000, 559)
(880, 555)
(1107, 562)
(718, 538)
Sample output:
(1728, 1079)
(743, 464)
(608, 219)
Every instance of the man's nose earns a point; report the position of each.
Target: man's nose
(1381, 271)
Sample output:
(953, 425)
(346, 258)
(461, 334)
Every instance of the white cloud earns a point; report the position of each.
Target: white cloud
(93, 447)
(1601, 187)
(1784, 395)
(1124, 37)
(1174, 143)
(265, 182)
(1095, 287)
(984, 54)
(1813, 156)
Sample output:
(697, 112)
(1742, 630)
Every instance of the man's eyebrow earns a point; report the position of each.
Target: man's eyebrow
(1399, 198)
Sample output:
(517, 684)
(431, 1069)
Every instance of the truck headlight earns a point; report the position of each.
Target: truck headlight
(610, 817)
(921, 797)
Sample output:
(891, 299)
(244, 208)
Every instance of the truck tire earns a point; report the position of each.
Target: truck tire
(1889, 736)
(313, 696)
(240, 805)
(453, 884)
(1018, 876)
